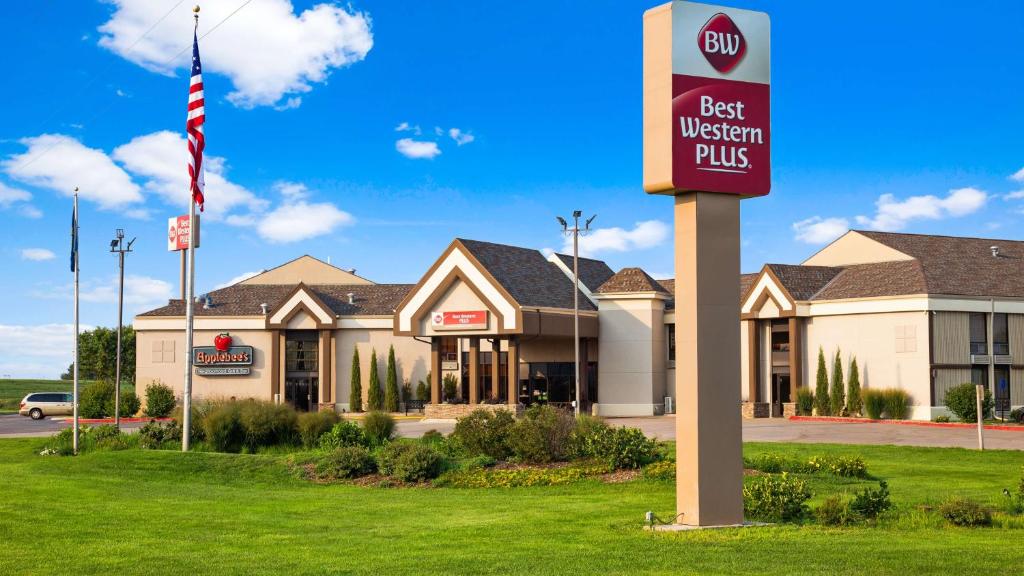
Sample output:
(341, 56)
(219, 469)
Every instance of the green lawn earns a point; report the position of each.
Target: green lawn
(12, 391)
(153, 512)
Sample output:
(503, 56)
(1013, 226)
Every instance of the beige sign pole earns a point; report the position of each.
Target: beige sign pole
(709, 460)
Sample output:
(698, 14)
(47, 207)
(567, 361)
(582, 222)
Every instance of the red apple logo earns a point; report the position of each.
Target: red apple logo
(222, 342)
(722, 43)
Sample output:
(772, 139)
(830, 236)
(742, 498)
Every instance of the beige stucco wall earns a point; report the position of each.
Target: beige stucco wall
(632, 367)
(872, 338)
(458, 298)
(308, 270)
(854, 248)
(255, 385)
(412, 359)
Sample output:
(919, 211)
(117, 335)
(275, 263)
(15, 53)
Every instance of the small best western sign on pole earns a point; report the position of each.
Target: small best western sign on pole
(707, 143)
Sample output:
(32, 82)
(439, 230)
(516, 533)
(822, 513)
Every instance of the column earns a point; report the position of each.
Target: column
(753, 362)
(324, 346)
(513, 371)
(584, 398)
(435, 370)
(274, 364)
(796, 361)
(496, 368)
(474, 370)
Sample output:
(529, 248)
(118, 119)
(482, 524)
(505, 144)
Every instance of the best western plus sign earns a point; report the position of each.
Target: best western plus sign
(707, 111)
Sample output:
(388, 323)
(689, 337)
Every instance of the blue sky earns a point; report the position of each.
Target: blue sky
(899, 116)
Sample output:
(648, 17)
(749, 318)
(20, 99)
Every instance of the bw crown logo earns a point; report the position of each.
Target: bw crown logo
(722, 43)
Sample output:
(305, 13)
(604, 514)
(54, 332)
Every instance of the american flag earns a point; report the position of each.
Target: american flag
(194, 127)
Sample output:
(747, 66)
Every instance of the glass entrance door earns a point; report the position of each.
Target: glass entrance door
(302, 392)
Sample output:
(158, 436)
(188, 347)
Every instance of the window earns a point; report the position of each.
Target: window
(1000, 334)
(302, 356)
(906, 339)
(671, 342)
(163, 352)
(979, 375)
(449, 349)
(979, 338)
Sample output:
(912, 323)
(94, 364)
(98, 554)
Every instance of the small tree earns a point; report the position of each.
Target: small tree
(423, 389)
(853, 400)
(374, 398)
(821, 400)
(391, 384)
(355, 394)
(837, 396)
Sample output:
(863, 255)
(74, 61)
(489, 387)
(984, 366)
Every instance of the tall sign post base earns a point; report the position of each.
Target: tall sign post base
(709, 443)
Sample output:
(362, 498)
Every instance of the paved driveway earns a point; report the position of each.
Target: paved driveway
(18, 426)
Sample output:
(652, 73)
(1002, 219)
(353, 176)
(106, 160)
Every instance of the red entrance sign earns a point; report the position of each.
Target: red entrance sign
(707, 119)
(177, 233)
(461, 320)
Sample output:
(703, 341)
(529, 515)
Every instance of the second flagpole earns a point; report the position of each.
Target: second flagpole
(190, 282)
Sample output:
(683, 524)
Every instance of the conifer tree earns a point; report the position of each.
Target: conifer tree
(355, 394)
(837, 395)
(374, 397)
(821, 401)
(391, 394)
(853, 399)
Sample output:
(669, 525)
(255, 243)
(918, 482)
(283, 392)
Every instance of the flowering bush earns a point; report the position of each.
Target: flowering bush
(776, 498)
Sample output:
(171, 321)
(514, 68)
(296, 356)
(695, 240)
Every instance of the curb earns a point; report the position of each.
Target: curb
(841, 420)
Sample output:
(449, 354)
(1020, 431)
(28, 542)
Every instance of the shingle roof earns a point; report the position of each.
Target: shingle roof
(593, 273)
(245, 300)
(803, 282)
(527, 275)
(631, 280)
(896, 278)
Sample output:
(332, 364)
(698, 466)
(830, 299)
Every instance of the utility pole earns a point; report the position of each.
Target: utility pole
(576, 232)
(117, 246)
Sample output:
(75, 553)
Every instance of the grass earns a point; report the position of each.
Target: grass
(145, 512)
(12, 391)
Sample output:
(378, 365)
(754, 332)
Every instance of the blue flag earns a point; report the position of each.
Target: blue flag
(74, 237)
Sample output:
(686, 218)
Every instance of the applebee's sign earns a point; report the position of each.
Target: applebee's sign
(223, 358)
(707, 122)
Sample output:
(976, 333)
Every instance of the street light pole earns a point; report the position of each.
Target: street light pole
(117, 246)
(576, 232)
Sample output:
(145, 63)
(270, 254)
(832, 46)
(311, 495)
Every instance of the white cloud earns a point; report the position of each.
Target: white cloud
(237, 279)
(1018, 176)
(9, 195)
(37, 254)
(645, 234)
(160, 158)
(1017, 195)
(893, 214)
(417, 148)
(292, 190)
(301, 220)
(406, 127)
(460, 137)
(266, 49)
(140, 292)
(37, 351)
(30, 211)
(818, 230)
(61, 163)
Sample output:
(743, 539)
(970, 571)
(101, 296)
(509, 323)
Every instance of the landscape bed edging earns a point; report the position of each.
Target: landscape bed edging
(842, 420)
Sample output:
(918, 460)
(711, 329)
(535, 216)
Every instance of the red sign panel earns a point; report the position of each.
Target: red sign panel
(461, 320)
(177, 233)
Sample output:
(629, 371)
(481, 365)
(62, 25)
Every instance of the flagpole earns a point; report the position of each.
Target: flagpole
(74, 256)
(190, 281)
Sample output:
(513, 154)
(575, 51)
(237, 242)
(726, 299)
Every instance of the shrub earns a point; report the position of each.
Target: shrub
(942, 419)
(542, 435)
(965, 512)
(267, 424)
(374, 398)
(355, 393)
(391, 384)
(897, 403)
(804, 401)
(485, 432)
(432, 437)
(776, 498)
(822, 403)
(313, 425)
(155, 435)
(874, 403)
(406, 391)
(159, 400)
(837, 396)
(621, 447)
(410, 461)
(130, 404)
(772, 463)
(379, 428)
(870, 503)
(423, 389)
(344, 433)
(477, 463)
(344, 462)
(97, 401)
(585, 427)
(962, 400)
(1016, 415)
(222, 427)
(660, 471)
(1016, 499)
(520, 477)
(450, 386)
(843, 466)
(834, 511)
(853, 399)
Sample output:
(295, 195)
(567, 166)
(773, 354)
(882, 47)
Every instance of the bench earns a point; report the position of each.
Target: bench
(414, 405)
